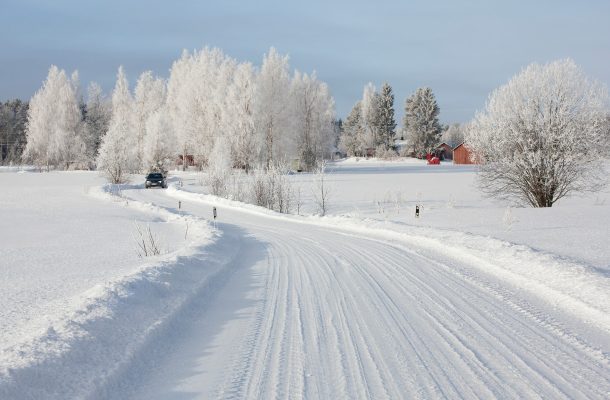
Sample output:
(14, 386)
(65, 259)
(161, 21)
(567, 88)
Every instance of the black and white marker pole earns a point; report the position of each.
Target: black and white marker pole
(214, 212)
(417, 211)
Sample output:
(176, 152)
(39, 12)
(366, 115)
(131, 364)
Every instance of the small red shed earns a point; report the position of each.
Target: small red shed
(461, 155)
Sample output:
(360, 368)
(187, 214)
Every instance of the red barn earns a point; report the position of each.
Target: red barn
(461, 155)
(444, 151)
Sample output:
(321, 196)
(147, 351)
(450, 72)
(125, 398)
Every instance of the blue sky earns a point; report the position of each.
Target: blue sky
(461, 49)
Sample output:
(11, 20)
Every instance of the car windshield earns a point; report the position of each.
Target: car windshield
(154, 176)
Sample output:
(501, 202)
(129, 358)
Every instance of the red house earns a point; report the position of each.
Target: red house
(190, 160)
(461, 155)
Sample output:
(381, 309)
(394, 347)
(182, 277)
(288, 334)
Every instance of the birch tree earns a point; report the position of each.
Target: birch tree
(54, 127)
(312, 116)
(272, 105)
(117, 156)
(149, 96)
(244, 143)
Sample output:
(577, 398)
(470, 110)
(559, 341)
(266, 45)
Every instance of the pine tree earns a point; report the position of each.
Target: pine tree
(352, 139)
(387, 124)
(117, 156)
(13, 121)
(97, 118)
(421, 121)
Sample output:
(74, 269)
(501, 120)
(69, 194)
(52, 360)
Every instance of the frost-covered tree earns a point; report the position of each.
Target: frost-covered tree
(149, 96)
(117, 154)
(197, 100)
(159, 147)
(272, 106)
(312, 115)
(540, 135)
(181, 105)
(219, 167)
(420, 121)
(352, 140)
(371, 116)
(97, 118)
(387, 123)
(244, 143)
(453, 135)
(54, 123)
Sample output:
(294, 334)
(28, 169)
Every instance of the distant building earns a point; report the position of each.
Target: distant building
(461, 155)
(190, 160)
(444, 151)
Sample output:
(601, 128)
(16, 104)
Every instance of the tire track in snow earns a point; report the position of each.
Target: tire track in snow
(345, 316)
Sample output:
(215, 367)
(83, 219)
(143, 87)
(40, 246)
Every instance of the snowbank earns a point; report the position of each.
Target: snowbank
(82, 348)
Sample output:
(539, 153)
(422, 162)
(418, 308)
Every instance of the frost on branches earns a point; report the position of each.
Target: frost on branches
(54, 124)
(118, 151)
(370, 124)
(540, 136)
(420, 121)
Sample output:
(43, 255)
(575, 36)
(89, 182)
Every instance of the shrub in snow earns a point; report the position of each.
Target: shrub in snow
(147, 243)
(321, 188)
(539, 137)
(219, 168)
(385, 153)
(271, 188)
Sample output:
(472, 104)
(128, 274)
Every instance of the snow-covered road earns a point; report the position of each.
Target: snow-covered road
(316, 312)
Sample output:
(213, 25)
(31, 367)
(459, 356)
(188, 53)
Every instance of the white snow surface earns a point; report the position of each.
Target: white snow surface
(367, 302)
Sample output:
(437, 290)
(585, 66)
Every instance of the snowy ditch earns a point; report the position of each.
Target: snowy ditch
(570, 286)
(86, 347)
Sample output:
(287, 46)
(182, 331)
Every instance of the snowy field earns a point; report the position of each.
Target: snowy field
(468, 300)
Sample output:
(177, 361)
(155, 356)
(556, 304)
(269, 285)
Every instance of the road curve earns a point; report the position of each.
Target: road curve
(313, 312)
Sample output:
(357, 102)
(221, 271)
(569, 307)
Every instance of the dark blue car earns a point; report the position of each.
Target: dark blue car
(155, 179)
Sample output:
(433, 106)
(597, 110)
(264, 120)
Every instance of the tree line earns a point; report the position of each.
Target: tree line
(370, 126)
(258, 115)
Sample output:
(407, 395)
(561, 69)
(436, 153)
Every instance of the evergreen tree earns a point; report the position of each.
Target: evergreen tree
(13, 120)
(387, 124)
(97, 117)
(421, 123)
(352, 138)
